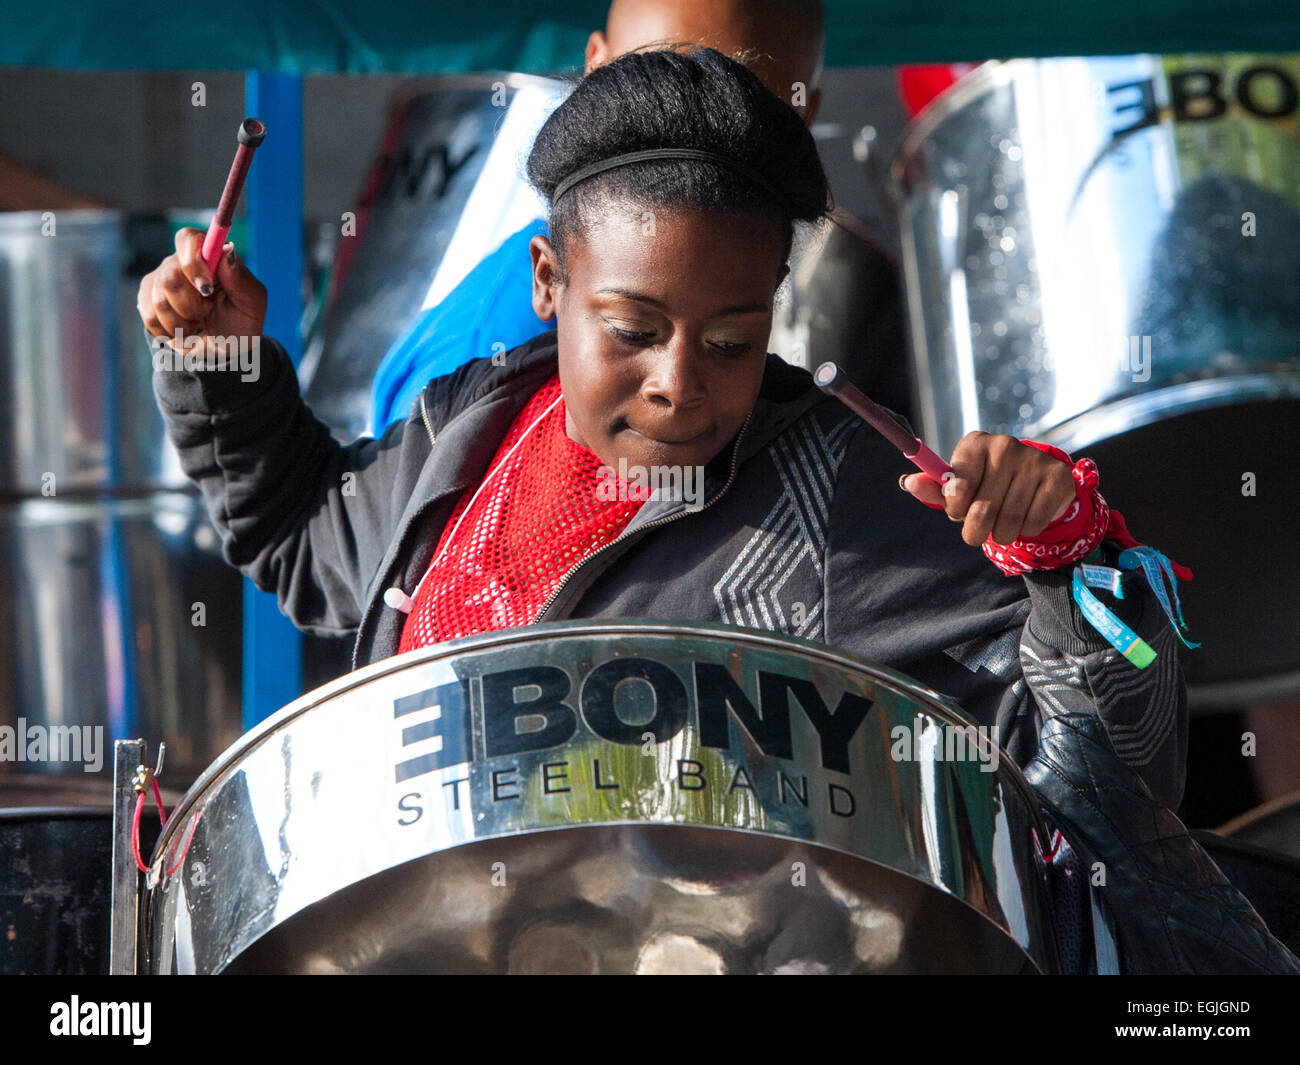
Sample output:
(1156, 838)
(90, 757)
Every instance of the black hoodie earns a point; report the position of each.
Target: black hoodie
(803, 531)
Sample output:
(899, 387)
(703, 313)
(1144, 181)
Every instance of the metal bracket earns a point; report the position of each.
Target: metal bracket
(130, 779)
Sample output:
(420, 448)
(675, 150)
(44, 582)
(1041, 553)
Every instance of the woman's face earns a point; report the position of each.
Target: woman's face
(662, 322)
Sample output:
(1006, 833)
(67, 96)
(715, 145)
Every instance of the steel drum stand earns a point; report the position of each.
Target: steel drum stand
(130, 780)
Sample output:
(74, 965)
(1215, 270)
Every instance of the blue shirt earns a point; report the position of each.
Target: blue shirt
(490, 311)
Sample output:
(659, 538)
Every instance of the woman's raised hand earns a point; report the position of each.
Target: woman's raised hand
(181, 294)
(1000, 487)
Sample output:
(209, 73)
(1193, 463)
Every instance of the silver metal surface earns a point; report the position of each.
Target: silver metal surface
(78, 399)
(843, 303)
(451, 190)
(58, 285)
(1040, 238)
(120, 613)
(1100, 253)
(123, 617)
(628, 797)
(124, 899)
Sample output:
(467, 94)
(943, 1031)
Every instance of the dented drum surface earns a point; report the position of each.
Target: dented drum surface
(632, 797)
(1101, 254)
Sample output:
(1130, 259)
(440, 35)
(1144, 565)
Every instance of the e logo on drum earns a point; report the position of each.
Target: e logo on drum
(516, 712)
(715, 700)
(1197, 95)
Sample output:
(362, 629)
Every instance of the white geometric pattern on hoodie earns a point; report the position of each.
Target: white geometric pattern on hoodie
(807, 460)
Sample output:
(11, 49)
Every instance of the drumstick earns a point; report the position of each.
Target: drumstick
(834, 381)
(251, 133)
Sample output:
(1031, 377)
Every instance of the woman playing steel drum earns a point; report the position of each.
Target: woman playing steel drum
(649, 459)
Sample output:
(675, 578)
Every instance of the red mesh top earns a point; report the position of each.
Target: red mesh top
(537, 516)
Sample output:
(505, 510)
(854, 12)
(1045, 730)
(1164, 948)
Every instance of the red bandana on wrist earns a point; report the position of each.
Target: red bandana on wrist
(1075, 534)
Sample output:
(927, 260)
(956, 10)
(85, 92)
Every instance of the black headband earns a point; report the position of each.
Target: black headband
(667, 153)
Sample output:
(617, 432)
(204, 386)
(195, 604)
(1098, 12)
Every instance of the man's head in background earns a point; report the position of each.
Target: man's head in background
(781, 41)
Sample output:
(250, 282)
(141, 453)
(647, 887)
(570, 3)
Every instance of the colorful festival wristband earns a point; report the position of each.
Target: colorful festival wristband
(1118, 635)
(1076, 537)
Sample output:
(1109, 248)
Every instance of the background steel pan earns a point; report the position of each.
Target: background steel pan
(1259, 851)
(447, 188)
(102, 629)
(56, 846)
(105, 548)
(1274, 826)
(1100, 253)
(508, 803)
(1270, 879)
(844, 303)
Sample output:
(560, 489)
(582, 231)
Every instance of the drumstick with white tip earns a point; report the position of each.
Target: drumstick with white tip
(834, 381)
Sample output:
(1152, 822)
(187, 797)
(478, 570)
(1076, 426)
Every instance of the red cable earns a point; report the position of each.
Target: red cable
(157, 797)
(135, 825)
(135, 834)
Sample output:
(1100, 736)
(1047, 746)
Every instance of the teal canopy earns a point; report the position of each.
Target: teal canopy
(440, 37)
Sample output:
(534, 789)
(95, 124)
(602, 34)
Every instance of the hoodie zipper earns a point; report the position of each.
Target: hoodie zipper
(371, 608)
(428, 426)
(731, 476)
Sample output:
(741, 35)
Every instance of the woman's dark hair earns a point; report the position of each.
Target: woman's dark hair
(696, 99)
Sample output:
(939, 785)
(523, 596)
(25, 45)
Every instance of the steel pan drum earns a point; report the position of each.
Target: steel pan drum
(115, 604)
(1269, 879)
(844, 304)
(1260, 852)
(56, 846)
(1274, 826)
(448, 191)
(1101, 253)
(633, 797)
